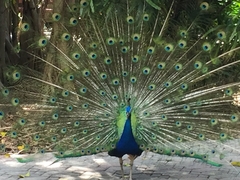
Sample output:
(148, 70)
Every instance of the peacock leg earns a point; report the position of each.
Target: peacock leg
(131, 157)
(121, 164)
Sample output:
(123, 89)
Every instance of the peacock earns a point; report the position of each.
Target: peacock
(124, 77)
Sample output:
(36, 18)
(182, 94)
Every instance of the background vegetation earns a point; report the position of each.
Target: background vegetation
(37, 13)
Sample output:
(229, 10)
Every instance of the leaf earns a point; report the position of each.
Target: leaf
(20, 147)
(7, 155)
(24, 160)
(236, 163)
(168, 160)
(3, 134)
(25, 175)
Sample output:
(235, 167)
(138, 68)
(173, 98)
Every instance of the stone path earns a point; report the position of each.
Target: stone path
(101, 166)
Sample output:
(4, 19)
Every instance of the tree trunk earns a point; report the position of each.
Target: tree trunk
(3, 11)
(30, 16)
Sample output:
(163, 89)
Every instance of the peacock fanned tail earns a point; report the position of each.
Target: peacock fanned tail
(177, 62)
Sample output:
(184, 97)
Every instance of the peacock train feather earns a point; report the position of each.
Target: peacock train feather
(127, 76)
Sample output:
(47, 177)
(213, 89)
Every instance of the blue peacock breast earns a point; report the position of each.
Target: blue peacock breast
(127, 143)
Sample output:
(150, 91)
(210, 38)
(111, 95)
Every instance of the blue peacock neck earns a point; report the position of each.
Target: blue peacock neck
(127, 143)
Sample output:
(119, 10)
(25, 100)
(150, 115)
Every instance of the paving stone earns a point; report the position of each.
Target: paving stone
(141, 176)
(203, 176)
(229, 179)
(11, 178)
(37, 178)
(160, 175)
(104, 167)
(64, 176)
(5, 176)
(189, 176)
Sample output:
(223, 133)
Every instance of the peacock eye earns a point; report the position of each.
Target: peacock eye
(182, 44)
(25, 27)
(150, 50)
(195, 112)
(183, 33)
(65, 93)
(121, 41)
(84, 3)
(42, 42)
(115, 81)
(186, 107)
(1, 115)
(234, 118)
(167, 101)
(69, 108)
(178, 67)
(184, 86)
(92, 55)
(189, 127)
(136, 37)
(85, 106)
(55, 116)
(125, 73)
(146, 70)
(206, 46)
(130, 20)
(75, 140)
(83, 90)
(42, 123)
(86, 73)
(73, 21)
(168, 84)
(192, 153)
(15, 101)
(164, 117)
(101, 92)
(161, 65)
(76, 56)
(168, 47)
(178, 124)
(74, 8)
(70, 77)
(56, 17)
(204, 6)
(22, 122)
(114, 97)
(63, 130)
(135, 58)
(221, 35)
(111, 41)
(5, 92)
(107, 60)
(145, 17)
(124, 49)
(36, 137)
(66, 37)
(151, 86)
(179, 139)
(133, 79)
(103, 76)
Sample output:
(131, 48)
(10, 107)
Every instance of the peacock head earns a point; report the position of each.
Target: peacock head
(126, 113)
(128, 109)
